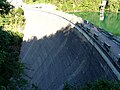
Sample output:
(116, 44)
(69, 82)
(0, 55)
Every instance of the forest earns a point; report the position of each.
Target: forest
(80, 5)
(11, 69)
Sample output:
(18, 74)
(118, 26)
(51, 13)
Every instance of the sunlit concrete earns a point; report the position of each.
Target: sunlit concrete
(40, 23)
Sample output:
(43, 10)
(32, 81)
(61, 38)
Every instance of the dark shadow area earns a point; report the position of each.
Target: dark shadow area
(11, 70)
(66, 56)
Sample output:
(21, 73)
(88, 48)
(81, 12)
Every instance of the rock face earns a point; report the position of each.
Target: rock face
(64, 56)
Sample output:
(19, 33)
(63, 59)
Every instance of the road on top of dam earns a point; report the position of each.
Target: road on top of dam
(55, 52)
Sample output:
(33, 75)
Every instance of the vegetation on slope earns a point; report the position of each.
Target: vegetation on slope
(80, 5)
(11, 69)
(97, 85)
(14, 20)
(5, 7)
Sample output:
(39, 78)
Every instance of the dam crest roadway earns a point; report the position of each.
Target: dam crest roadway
(58, 47)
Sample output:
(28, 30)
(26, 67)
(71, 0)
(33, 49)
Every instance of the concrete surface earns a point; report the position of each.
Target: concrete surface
(55, 53)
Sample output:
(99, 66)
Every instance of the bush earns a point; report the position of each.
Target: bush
(80, 5)
(97, 85)
(14, 20)
(11, 68)
(19, 11)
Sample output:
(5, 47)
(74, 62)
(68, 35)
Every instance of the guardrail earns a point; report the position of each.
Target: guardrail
(105, 46)
(113, 60)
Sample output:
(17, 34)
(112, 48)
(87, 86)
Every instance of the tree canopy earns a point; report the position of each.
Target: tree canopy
(11, 69)
(80, 5)
(5, 7)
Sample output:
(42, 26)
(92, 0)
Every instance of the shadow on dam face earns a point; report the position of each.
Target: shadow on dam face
(66, 56)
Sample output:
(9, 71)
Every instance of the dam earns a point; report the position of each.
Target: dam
(55, 52)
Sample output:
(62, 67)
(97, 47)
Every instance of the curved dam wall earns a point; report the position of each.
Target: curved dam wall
(60, 57)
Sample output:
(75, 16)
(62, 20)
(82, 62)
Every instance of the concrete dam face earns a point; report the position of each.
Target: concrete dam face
(64, 56)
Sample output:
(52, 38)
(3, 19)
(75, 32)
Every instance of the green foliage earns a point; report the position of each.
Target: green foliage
(5, 7)
(80, 5)
(102, 85)
(113, 6)
(19, 11)
(11, 69)
(70, 87)
(34, 87)
(97, 85)
(14, 20)
(66, 86)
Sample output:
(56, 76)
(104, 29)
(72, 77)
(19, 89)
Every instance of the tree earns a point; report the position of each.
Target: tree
(5, 7)
(11, 69)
